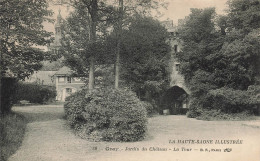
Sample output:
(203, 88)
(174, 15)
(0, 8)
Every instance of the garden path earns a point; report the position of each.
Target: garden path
(48, 138)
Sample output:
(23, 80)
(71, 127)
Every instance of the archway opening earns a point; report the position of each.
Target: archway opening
(65, 92)
(176, 100)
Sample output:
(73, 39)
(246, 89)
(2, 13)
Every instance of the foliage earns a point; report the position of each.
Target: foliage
(20, 29)
(35, 93)
(12, 129)
(144, 56)
(211, 115)
(78, 45)
(220, 58)
(244, 53)
(7, 92)
(231, 101)
(150, 108)
(225, 101)
(254, 92)
(107, 114)
(200, 42)
(244, 14)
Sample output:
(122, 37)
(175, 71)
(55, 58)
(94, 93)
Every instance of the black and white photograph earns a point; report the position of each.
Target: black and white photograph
(130, 80)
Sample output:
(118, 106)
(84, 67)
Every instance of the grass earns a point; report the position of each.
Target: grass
(12, 129)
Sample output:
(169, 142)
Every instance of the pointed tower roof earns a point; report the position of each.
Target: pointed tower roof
(57, 40)
(59, 19)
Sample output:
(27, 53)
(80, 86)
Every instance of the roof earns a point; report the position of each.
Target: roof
(52, 66)
(64, 71)
(43, 77)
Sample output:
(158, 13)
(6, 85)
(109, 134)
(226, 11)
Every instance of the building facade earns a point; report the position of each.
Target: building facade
(66, 84)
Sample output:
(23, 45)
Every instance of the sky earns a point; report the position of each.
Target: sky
(177, 9)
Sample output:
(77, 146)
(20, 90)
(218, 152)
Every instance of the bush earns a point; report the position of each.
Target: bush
(194, 109)
(35, 93)
(225, 103)
(211, 115)
(8, 86)
(107, 114)
(150, 109)
(231, 101)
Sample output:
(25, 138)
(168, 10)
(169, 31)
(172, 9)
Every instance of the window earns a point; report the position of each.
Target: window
(175, 48)
(68, 79)
(61, 79)
(177, 67)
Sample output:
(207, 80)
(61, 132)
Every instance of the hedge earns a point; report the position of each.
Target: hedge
(225, 101)
(107, 114)
(35, 93)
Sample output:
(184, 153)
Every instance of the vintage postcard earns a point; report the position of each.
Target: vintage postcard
(130, 80)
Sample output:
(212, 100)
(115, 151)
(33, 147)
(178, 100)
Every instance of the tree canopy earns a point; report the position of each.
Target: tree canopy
(221, 53)
(21, 31)
(144, 53)
(77, 41)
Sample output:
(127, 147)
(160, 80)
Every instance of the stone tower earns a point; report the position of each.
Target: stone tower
(176, 79)
(176, 98)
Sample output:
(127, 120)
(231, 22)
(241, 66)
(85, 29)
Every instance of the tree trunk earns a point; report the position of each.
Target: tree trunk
(93, 14)
(91, 75)
(117, 65)
(119, 30)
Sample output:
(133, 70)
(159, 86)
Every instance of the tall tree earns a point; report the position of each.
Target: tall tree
(118, 45)
(144, 54)
(142, 7)
(92, 7)
(21, 31)
(200, 39)
(81, 40)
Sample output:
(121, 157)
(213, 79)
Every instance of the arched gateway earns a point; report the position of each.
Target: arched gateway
(176, 100)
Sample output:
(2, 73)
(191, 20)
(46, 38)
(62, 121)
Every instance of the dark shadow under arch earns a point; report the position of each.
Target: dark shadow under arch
(176, 99)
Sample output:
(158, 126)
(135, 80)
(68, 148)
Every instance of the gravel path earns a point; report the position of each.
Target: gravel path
(48, 138)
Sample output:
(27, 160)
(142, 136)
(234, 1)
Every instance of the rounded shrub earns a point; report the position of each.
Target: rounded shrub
(107, 114)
